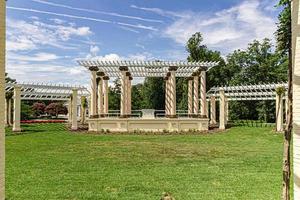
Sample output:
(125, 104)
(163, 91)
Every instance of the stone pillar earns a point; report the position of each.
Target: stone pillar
(93, 105)
(9, 111)
(100, 94)
(5, 112)
(129, 87)
(2, 97)
(203, 108)
(123, 70)
(172, 70)
(296, 96)
(190, 96)
(279, 112)
(222, 110)
(70, 110)
(196, 94)
(226, 111)
(17, 109)
(105, 94)
(213, 120)
(74, 109)
(166, 96)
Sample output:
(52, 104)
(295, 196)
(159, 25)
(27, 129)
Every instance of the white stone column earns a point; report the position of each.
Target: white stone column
(168, 95)
(105, 94)
(173, 91)
(296, 95)
(196, 94)
(129, 87)
(213, 120)
(222, 110)
(203, 108)
(279, 112)
(9, 111)
(17, 109)
(123, 70)
(5, 112)
(70, 110)
(100, 96)
(74, 109)
(190, 96)
(2, 97)
(93, 105)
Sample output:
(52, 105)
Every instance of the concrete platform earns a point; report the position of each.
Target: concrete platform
(155, 125)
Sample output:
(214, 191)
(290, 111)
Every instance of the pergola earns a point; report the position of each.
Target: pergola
(42, 91)
(245, 93)
(102, 71)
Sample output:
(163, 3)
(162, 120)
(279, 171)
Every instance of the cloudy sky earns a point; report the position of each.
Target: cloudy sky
(46, 37)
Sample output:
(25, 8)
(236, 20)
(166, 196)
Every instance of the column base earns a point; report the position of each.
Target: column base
(74, 128)
(17, 130)
(123, 116)
(94, 116)
(172, 116)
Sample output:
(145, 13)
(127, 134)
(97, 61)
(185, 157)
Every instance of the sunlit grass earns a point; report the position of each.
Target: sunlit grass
(48, 162)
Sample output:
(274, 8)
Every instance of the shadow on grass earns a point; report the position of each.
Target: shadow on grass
(36, 128)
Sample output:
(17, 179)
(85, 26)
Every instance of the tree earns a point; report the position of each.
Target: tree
(38, 108)
(284, 46)
(54, 109)
(26, 111)
(114, 95)
(153, 93)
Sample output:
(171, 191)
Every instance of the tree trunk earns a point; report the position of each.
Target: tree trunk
(286, 168)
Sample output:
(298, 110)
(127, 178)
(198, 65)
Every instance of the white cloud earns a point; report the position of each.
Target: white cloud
(58, 21)
(22, 35)
(225, 30)
(39, 57)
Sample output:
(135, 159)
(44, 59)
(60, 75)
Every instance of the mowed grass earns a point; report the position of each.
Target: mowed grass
(48, 162)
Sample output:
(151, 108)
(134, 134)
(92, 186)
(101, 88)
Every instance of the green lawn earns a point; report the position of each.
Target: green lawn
(50, 163)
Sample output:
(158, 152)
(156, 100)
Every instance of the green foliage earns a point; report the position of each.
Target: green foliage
(84, 102)
(85, 166)
(280, 91)
(26, 111)
(153, 92)
(284, 27)
(114, 95)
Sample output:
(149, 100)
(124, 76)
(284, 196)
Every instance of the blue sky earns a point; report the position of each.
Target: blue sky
(45, 37)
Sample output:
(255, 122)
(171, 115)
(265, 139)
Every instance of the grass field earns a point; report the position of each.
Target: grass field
(48, 162)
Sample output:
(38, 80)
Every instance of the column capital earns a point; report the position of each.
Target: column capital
(190, 78)
(168, 74)
(130, 78)
(166, 78)
(173, 68)
(98, 79)
(123, 68)
(128, 74)
(106, 78)
(195, 73)
(100, 73)
(18, 87)
(93, 68)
